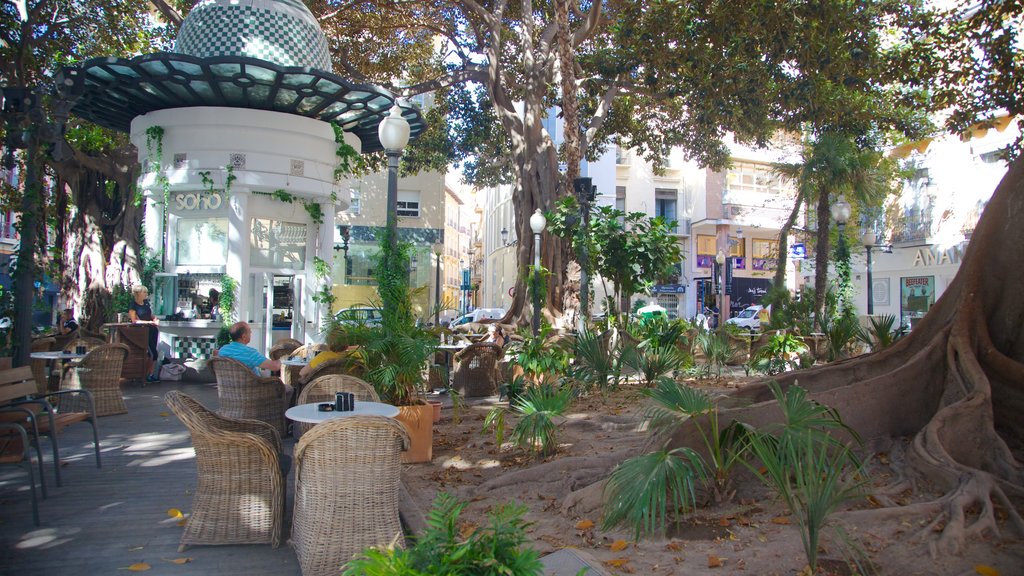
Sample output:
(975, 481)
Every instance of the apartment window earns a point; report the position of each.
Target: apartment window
(621, 155)
(766, 254)
(665, 203)
(751, 177)
(620, 198)
(355, 199)
(409, 203)
(738, 252)
(705, 251)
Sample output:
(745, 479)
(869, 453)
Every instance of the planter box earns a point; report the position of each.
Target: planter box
(419, 423)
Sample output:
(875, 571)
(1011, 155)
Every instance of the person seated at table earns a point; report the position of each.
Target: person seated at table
(66, 323)
(495, 335)
(239, 349)
(335, 351)
(140, 312)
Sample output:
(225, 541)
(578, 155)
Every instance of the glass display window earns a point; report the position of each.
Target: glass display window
(277, 245)
(201, 242)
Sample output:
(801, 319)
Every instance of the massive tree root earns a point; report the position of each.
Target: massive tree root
(955, 385)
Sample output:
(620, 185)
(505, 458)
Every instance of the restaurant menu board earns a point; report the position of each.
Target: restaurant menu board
(917, 294)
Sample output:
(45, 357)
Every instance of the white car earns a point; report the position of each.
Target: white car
(749, 318)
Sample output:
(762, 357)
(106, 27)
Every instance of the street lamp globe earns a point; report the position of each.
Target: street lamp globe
(720, 257)
(538, 222)
(868, 239)
(393, 130)
(841, 212)
(504, 236)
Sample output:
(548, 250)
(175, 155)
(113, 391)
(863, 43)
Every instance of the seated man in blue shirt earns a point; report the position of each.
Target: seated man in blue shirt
(239, 349)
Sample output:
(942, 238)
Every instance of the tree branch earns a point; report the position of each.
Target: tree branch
(168, 12)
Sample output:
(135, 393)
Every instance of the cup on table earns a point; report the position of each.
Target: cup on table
(344, 402)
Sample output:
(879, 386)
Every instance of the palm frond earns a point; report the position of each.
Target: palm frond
(644, 492)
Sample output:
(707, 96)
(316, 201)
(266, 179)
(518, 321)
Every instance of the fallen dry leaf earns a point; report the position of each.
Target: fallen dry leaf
(137, 567)
(780, 520)
(584, 525)
(616, 562)
(724, 522)
(177, 560)
(714, 561)
(618, 546)
(985, 570)
(674, 546)
(164, 414)
(175, 513)
(467, 530)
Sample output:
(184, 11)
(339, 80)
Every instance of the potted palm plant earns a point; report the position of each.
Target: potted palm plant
(394, 354)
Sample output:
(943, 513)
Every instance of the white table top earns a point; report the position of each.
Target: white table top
(56, 355)
(295, 361)
(457, 346)
(309, 412)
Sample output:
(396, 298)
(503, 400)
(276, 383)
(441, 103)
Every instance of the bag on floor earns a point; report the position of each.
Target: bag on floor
(172, 372)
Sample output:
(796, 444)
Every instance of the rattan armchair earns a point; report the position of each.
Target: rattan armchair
(240, 489)
(476, 370)
(325, 387)
(99, 372)
(89, 343)
(290, 374)
(347, 476)
(39, 365)
(243, 394)
(282, 348)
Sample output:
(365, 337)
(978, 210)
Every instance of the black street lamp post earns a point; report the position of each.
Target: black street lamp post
(868, 240)
(437, 285)
(393, 132)
(585, 193)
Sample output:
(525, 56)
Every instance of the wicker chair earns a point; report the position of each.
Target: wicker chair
(99, 372)
(89, 343)
(325, 387)
(347, 476)
(290, 374)
(282, 348)
(476, 370)
(39, 366)
(240, 492)
(245, 395)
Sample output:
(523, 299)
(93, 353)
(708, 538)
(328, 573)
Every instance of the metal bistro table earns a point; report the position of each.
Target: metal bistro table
(310, 414)
(300, 362)
(50, 357)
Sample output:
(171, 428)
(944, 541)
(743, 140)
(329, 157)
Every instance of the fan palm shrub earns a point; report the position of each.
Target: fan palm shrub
(596, 359)
(653, 360)
(717, 350)
(842, 331)
(644, 492)
(537, 409)
(805, 462)
(882, 332)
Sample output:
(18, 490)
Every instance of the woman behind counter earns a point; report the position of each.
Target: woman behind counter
(140, 312)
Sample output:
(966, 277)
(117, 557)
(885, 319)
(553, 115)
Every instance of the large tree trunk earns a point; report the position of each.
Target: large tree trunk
(103, 241)
(821, 252)
(955, 385)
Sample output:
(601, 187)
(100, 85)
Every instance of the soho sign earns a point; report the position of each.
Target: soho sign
(197, 201)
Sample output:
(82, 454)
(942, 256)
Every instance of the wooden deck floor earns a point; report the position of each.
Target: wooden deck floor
(103, 520)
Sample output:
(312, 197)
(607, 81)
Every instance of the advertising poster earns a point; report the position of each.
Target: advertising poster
(917, 294)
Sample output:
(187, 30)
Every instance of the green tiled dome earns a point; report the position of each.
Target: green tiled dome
(280, 31)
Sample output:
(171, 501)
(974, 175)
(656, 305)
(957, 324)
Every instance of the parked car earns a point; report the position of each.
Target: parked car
(478, 315)
(749, 318)
(364, 316)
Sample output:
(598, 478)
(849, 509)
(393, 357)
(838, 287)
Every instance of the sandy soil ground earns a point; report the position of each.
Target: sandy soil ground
(753, 534)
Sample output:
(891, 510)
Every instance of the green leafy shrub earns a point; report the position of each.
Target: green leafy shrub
(596, 359)
(840, 333)
(717, 350)
(780, 354)
(497, 549)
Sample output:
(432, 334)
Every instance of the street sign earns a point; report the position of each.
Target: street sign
(798, 252)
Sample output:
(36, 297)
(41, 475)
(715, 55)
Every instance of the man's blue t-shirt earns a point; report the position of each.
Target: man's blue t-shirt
(244, 354)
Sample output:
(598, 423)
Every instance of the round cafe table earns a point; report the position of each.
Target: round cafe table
(56, 355)
(295, 361)
(310, 414)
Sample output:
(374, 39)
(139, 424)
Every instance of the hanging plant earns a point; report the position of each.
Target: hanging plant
(315, 211)
(349, 160)
(228, 293)
(322, 272)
